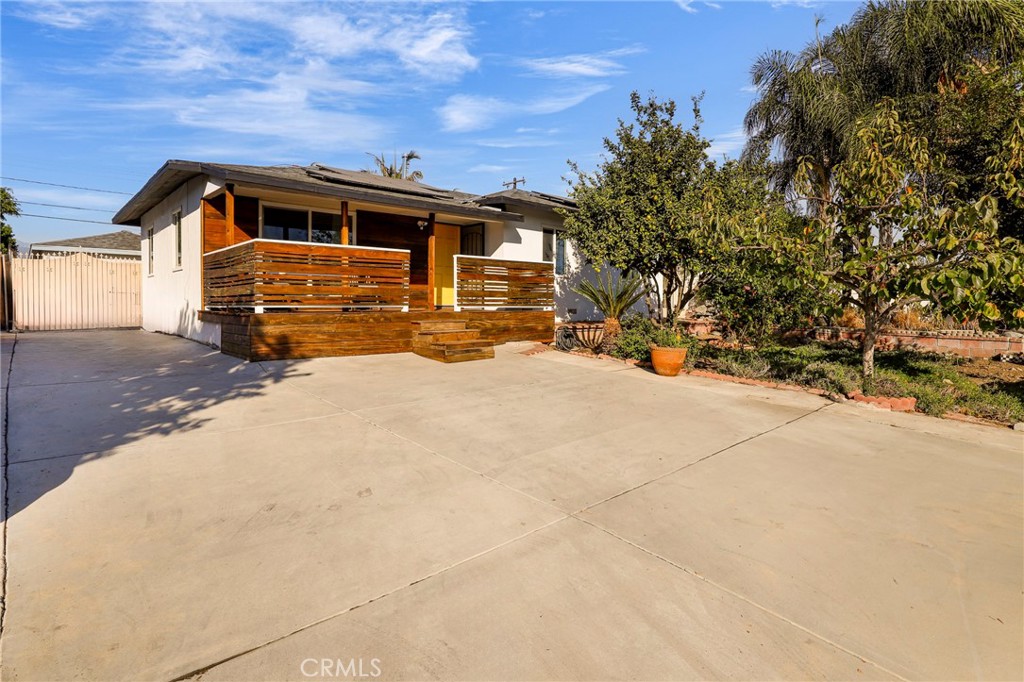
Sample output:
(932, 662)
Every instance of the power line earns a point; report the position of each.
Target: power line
(54, 184)
(73, 220)
(74, 208)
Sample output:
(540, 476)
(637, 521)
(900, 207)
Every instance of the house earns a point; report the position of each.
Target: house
(300, 261)
(121, 244)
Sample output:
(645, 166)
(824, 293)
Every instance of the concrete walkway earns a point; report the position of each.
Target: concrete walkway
(174, 513)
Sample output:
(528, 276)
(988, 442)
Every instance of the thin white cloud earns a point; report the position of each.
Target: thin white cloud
(464, 113)
(752, 89)
(596, 65)
(575, 65)
(63, 15)
(553, 104)
(488, 168)
(726, 144)
(687, 6)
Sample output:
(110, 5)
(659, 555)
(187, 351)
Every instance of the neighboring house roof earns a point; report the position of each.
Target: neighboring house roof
(123, 240)
(522, 197)
(315, 179)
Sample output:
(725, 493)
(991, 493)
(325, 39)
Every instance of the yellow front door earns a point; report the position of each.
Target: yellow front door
(446, 245)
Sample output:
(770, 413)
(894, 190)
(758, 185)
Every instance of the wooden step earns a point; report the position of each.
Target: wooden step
(440, 325)
(445, 336)
(442, 353)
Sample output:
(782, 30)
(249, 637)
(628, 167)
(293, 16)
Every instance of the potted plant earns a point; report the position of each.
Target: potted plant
(668, 351)
(613, 297)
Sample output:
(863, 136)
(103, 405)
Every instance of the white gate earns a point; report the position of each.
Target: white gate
(78, 291)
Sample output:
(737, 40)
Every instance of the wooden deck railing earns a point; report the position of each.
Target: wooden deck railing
(483, 283)
(269, 274)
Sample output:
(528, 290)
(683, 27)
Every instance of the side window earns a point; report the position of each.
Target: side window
(176, 223)
(548, 248)
(152, 247)
(559, 254)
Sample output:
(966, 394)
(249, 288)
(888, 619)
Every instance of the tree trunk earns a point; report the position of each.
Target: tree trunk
(612, 327)
(867, 345)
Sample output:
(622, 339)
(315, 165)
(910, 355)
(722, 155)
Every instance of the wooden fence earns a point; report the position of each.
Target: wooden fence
(262, 274)
(483, 283)
(77, 291)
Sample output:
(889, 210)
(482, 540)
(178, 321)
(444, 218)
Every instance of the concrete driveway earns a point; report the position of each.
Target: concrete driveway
(174, 513)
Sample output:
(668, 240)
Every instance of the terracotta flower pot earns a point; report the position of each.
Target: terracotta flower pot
(667, 361)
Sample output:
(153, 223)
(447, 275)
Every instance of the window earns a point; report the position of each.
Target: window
(149, 240)
(326, 228)
(301, 225)
(176, 222)
(285, 223)
(554, 249)
(472, 240)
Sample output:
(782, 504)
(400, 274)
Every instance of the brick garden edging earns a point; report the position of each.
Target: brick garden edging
(961, 343)
(906, 404)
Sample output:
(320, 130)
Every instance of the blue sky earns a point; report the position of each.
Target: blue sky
(98, 95)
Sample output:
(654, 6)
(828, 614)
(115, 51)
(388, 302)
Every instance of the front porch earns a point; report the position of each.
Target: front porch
(279, 299)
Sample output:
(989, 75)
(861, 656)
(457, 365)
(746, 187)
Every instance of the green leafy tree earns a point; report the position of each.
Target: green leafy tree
(644, 210)
(809, 102)
(396, 169)
(8, 207)
(889, 235)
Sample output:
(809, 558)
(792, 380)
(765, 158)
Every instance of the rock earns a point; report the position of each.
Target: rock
(1019, 426)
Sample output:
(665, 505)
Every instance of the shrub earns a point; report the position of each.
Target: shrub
(635, 339)
(833, 377)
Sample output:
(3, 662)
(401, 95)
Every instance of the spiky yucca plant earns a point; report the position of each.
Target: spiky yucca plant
(613, 297)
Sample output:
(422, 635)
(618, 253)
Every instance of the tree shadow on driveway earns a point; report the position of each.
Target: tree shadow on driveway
(74, 397)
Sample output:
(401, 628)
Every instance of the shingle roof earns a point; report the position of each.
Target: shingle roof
(316, 179)
(123, 240)
(524, 197)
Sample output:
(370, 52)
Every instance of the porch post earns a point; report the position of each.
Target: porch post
(229, 211)
(431, 255)
(344, 222)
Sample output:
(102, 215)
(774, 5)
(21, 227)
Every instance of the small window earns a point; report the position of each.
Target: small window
(149, 239)
(559, 254)
(548, 248)
(284, 223)
(326, 228)
(176, 222)
(472, 240)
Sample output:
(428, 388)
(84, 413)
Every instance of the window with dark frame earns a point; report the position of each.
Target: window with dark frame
(326, 228)
(149, 238)
(176, 221)
(559, 254)
(285, 223)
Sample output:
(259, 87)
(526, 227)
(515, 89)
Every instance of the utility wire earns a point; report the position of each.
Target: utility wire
(54, 184)
(74, 208)
(73, 220)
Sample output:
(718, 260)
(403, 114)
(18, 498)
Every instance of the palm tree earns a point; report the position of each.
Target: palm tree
(808, 102)
(394, 169)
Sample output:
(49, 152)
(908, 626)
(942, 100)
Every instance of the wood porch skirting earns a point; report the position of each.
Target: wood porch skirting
(282, 336)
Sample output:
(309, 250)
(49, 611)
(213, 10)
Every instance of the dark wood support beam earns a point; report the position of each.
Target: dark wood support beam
(431, 257)
(229, 213)
(344, 222)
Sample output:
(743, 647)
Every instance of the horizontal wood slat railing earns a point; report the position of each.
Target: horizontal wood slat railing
(497, 284)
(267, 274)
